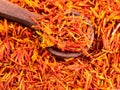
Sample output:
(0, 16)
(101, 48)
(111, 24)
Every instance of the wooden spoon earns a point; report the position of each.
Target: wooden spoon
(16, 13)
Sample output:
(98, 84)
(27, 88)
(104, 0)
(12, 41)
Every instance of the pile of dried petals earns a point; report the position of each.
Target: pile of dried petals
(26, 65)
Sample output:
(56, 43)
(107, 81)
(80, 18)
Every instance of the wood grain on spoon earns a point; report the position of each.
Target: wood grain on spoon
(16, 13)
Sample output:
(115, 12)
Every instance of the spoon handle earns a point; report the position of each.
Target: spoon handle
(16, 13)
